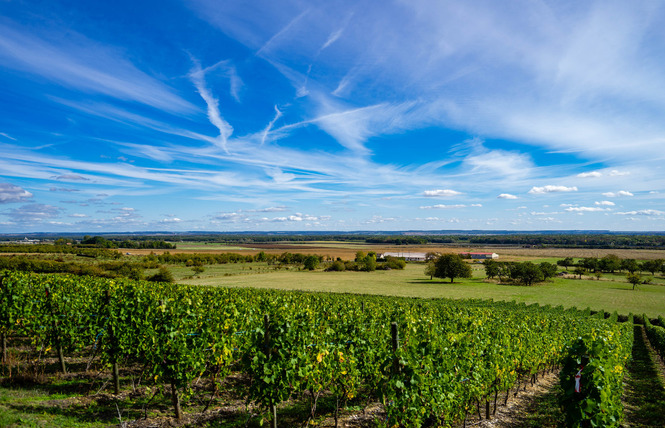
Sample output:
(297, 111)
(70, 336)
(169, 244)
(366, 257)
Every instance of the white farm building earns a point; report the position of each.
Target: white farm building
(407, 256)
(479, 256)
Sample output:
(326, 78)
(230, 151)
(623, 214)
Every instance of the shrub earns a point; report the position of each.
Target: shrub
(336, 266)
(163, 275)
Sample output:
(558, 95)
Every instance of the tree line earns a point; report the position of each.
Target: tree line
(612, 263)
(453, 266)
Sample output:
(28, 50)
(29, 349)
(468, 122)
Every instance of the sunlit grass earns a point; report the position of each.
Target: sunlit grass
(611, 293)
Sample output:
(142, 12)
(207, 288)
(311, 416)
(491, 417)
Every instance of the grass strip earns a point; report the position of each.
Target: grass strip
(644, 396)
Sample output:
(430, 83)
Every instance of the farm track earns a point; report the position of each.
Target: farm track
(644, 393)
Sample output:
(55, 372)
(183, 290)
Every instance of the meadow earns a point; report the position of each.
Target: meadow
(610, 293)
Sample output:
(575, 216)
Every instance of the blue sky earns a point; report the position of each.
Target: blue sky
(317, 115)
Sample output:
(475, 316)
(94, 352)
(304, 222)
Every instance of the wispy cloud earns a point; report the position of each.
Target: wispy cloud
(266, 131)
(197, 75)
(70, 177)
(268, 44)
(78, 62)
(32, 213)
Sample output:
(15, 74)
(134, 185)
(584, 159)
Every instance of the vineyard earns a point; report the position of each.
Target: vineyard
(428, 362)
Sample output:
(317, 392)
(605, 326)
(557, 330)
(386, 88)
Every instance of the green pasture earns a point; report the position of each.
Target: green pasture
(611, 293)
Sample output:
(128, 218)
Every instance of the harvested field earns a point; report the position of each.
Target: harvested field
(348, 250)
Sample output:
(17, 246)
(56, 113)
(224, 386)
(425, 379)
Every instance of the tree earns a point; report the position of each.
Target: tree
(311, 262)
(548, 270)
(451, 266)
(579, 270)
(492, 268)
(652, 266)
(610, 263)
(629, 265)
(529, 273)
(634, 278)
(590, 263)
(368, 263)
(198, 269)
(261, 257)
(430, 269)
(568, 261)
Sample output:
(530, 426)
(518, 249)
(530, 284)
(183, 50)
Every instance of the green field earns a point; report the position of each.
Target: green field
(611, 293)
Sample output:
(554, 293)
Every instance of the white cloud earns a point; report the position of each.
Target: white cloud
(643, 212)
(10, 193)
(593, 174)
(230, 216)
(442, 207)
(171, 220)
(586, 209)
(506, 196)
(268, 210)
(615, 173)
(607, 203)
(551, 189)
(617, 194)
(377, 219)
(441, 193)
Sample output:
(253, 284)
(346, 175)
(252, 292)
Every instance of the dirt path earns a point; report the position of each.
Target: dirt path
(644, 395)
(534, 407)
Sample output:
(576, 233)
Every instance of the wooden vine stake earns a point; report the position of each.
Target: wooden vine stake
(176, 400)
(4, 348)
(266, 345)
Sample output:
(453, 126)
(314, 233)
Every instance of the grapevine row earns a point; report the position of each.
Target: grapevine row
(442, 359)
